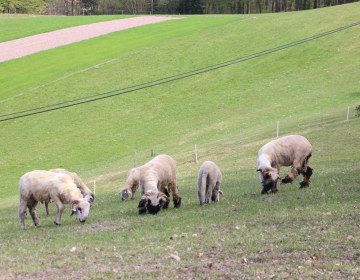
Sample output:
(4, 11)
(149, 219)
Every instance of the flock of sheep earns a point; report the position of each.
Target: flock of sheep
(157, 179)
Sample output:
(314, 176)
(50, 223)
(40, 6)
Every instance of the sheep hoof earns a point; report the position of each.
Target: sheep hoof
(57, 224)
(304, 184)
(285, 181)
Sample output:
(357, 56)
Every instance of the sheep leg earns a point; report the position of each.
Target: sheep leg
(274, 189)
(176, 197)
(166, 192)
(31, 205)
(60, 208)
(201, 188)
(22, 212)
(215, 192)
(133, 190)
(289, 178)
(142, 205)
(209, 190)
(306, 177)
(47, 208)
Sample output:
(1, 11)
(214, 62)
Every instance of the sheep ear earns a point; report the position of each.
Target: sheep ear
(73, 205)
(163, 200)
(220, 192)
(259, 170)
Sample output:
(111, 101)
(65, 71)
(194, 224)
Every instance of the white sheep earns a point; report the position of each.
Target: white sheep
(209, 181)
(87, 193)
(40, 185)
(292, 150)
(131, 185)
(154, 177)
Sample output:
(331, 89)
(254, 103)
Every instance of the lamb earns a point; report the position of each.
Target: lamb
(292, 150)
(132, 184)
(209, 181)
(154, 177)
(40, 185)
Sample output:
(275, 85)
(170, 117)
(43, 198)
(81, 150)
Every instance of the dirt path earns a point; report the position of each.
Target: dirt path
(33, 44)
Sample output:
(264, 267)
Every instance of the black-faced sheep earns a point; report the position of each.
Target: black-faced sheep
(39, 185)
(292, 150)
(132, 184)
(154, 177)
(209, 181)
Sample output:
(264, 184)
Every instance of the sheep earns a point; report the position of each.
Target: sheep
(131, 185)
(154, 177)
(209, 181)
(292, 150)
(40, 185)
(87, 193)
(79, 183)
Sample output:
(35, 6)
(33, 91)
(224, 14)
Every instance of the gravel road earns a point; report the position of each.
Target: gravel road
(33, 44)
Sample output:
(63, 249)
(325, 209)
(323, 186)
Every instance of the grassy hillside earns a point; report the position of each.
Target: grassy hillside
(301, 234)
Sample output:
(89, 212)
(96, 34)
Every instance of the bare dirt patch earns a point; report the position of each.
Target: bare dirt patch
(99, 228)
(33, 44)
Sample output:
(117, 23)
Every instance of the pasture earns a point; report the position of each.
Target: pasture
(295, 234)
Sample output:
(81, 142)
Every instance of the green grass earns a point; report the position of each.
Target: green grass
(305, 233)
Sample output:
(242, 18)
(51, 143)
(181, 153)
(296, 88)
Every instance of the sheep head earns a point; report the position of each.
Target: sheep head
(152, 202)
(269, 178)
(125, 194)
(216, 195)
(80, 207)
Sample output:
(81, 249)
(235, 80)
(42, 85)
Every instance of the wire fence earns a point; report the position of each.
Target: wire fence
(245, 137)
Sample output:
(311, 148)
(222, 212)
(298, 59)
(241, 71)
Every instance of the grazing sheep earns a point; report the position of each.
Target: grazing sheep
(292, 150)
(132, 184)
(209, 181)
(154, 177)
(87, 193)
(39, 185)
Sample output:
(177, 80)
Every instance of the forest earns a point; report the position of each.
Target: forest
(181, 7)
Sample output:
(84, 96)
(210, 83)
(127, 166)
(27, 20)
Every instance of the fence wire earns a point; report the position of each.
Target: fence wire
(250, 136)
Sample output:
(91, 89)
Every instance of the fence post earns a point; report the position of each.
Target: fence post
(347, 117)
(196, 158)
(277, 130)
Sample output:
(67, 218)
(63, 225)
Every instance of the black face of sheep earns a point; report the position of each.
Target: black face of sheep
(153, 209)
(269, 181)
(152, 203)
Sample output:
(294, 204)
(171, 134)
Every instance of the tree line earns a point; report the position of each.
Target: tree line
(182, 7)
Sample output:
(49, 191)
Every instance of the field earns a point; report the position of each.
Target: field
(295, 234)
